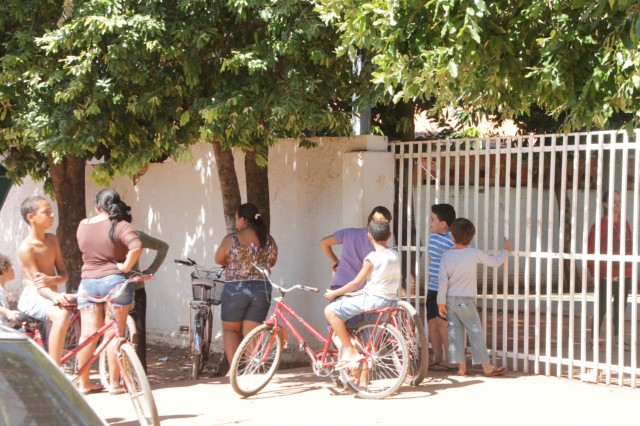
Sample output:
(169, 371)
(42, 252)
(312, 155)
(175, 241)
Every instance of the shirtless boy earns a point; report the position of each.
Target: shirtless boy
(44, 270)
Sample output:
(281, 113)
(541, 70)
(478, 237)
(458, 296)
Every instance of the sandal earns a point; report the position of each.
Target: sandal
(436, 366)
(92, 389)
(344, 363)
(497, 371)
(116, 391)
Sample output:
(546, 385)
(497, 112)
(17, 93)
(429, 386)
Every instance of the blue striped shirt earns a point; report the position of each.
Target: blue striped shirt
(438, 244)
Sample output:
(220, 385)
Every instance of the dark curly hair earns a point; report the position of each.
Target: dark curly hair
(5, 263)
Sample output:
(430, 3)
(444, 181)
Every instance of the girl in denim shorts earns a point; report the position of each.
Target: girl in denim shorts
(246, 297)
(110, 247)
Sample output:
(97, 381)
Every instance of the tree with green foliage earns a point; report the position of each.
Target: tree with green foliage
(577, 60)
(128, 83)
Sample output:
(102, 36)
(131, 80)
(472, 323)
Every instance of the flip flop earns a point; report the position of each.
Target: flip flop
(116, 391)
(344, 363)
(92, 389)
(439, 367)
(497, 371)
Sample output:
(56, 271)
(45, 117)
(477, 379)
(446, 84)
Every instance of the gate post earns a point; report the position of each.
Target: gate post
(367, 178)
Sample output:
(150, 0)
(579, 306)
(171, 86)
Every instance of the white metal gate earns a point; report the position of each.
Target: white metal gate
(544, 193)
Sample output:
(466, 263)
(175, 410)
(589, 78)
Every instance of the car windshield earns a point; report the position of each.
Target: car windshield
(34, 392)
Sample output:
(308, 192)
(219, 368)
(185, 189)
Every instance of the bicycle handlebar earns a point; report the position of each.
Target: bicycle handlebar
(283, 290)
(213, 273)
(117, 290)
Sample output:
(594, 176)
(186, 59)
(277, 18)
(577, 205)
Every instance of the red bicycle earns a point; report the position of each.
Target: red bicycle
(133, 375)
(379, 373)
(35, 329)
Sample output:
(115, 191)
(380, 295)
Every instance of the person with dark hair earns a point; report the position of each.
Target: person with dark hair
(382, 273)
(246, 297)
(441, 218)
(619, 272)
(355, 247)
(110, 248)
(8, 316)
(43, 270)
(457, 292)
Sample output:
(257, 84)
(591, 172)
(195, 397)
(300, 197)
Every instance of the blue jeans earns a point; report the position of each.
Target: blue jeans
(100, 287)
(462, 313)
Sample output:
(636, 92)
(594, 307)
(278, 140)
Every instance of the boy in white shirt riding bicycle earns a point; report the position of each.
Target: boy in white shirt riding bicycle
(381, 269)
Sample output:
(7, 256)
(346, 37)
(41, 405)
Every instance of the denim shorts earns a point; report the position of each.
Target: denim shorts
(347, 307)
(100, 287)
(245, 300)
(34, 304)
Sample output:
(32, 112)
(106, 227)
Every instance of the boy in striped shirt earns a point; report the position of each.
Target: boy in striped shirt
(442, 215)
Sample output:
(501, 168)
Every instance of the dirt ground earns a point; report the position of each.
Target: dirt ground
(167, 364)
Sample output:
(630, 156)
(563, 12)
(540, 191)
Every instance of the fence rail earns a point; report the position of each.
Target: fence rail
(541, 310)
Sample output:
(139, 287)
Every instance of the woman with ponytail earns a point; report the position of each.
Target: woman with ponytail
(110, 247)
(246, 297)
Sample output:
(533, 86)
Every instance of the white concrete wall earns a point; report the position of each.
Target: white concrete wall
(313, 193)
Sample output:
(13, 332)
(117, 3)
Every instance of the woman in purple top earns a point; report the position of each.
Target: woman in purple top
(355, 247)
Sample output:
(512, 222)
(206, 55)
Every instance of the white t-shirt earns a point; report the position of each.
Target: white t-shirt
(386, 275)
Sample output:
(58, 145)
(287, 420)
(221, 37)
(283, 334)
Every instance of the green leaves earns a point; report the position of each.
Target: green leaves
(574, 59)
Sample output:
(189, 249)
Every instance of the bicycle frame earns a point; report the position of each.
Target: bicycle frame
(320, 359)
(280, 314)
(198, 307)
(109, 330)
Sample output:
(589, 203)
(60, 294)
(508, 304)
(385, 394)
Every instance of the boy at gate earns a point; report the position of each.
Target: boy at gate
(43, 267)
(381, 269)
(441, 218)
(457, 296)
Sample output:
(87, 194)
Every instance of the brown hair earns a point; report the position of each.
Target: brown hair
(463, 231)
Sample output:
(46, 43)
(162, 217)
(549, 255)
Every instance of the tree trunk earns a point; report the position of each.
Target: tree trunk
(228, 184)
(258, 186)
(68, 178)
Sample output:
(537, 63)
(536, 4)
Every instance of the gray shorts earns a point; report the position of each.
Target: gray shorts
(34, 304)
(347, 307)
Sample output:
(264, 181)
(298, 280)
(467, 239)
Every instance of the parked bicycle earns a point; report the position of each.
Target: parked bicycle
(379, 373)
(134, 378)
(206, 288)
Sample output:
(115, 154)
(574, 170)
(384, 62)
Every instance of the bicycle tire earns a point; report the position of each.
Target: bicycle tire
(130, 332)
(198, 352)
(412, 329)
(387, 365)
(208, 331)
(137, 385)
(71, 339)
(256, 360)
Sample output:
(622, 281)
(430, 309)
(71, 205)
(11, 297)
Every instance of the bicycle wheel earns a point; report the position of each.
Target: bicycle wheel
(256, 360)
(408, 322)
(130, 333)
(200, 343)
(384, 369)
(71, 340)
(137, 385)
